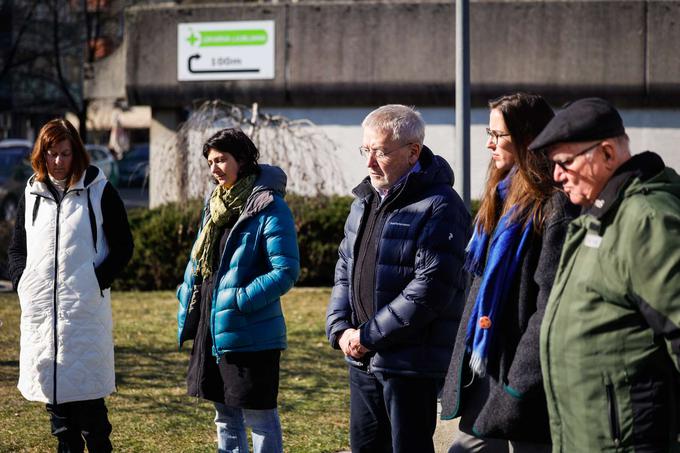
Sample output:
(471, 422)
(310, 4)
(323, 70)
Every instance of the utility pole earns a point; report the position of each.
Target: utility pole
(462, 182)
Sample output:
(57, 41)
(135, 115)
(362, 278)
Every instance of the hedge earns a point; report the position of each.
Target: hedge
(163, 238)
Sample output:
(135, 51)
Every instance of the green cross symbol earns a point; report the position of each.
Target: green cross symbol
(192, 38)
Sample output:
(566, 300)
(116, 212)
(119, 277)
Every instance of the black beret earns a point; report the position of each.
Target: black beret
(581, 121)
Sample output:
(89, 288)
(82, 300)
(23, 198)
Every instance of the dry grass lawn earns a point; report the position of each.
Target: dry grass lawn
(151, 412)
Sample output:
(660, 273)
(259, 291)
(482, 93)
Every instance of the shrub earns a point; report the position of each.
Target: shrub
(163, 238)
(319, 222)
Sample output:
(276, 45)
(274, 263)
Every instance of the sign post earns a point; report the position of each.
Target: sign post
(462, 181)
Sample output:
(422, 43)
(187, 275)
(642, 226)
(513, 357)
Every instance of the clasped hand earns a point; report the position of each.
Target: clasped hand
(351, 345)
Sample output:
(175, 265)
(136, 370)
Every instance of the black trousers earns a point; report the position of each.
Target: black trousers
(390, 413)
(80, 422)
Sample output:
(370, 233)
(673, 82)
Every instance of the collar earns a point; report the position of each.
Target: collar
(643, 166)
(59, 184)
(385, 192)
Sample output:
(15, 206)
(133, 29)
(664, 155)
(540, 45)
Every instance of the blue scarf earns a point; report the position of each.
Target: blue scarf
(497, 267)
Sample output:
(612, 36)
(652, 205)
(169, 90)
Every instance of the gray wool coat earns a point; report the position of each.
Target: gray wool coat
(509, 403)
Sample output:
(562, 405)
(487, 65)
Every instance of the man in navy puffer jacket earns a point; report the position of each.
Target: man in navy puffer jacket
(399, 285)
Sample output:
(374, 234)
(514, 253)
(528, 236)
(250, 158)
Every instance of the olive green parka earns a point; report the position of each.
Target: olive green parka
(610, 338)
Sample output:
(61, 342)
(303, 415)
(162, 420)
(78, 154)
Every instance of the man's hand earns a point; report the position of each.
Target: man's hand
(351, 345)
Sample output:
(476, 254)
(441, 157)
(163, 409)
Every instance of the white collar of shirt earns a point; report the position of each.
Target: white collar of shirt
(59, 184)
(385, 192)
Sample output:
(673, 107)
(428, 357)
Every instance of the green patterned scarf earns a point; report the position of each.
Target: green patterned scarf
(225, 207)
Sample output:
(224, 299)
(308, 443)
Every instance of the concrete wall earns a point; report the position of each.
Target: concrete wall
(663, 50)
(649, 129)
(335, 57)
(373, 53)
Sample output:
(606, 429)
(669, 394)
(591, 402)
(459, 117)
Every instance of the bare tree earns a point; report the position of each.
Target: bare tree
(52, 47)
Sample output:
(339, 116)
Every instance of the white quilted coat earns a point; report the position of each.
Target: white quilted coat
(66, 326)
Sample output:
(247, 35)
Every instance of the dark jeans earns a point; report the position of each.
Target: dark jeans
(390, 413)
(71, 422)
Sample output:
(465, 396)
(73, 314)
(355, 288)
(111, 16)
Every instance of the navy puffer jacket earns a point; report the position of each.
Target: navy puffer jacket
(419, 281)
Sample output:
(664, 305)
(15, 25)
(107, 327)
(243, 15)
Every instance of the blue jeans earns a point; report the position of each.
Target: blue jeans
(392, 414)
(231, 429)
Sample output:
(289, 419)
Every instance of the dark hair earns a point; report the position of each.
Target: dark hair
(525, 116)
(53, 132)
(235, 142)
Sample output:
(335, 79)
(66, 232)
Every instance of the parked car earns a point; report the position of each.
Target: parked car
(134, 166)
(101, 157)
(14, 171)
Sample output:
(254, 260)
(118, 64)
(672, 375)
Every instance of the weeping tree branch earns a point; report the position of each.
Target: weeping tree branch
(299, 147)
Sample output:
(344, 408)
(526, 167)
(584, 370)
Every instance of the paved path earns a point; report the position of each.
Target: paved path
(444, 434)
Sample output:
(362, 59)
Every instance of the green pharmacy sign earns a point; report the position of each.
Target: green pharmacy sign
(236, 50)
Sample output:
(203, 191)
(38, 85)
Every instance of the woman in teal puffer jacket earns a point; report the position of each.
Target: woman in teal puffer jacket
(244, 259)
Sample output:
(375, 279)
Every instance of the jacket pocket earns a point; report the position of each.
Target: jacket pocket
(654, 408)
(193, 313)
(612, 412)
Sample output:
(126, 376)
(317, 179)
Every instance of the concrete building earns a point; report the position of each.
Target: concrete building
(335, 61)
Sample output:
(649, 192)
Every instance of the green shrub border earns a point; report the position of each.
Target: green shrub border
(163, 238)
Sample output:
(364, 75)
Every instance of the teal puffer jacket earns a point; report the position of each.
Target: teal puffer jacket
(259, 263)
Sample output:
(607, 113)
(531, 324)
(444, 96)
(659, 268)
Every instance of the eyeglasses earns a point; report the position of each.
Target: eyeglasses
(378, 153)
(495, 135)
(565, 164)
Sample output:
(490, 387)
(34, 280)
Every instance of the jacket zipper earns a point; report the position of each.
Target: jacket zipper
(375, 273)
(384, 203)
(381, 207)
(242, 218)
(54, 296)
(355, 249)
(54, 303)
(613, 413)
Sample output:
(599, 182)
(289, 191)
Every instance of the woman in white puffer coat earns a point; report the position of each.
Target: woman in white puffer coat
(71, 238)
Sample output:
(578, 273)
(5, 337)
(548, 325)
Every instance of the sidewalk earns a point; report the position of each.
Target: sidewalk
(444, 433)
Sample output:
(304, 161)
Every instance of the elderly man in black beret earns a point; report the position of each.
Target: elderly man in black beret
(610, 338)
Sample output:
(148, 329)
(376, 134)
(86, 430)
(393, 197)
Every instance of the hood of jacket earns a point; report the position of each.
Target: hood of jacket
(91, 176)
(434, 170)
(642, 173)
(270, 182)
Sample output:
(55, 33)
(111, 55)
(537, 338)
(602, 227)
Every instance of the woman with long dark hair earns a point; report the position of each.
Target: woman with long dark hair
(494, 380)
(71, 238)
(244, 259)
